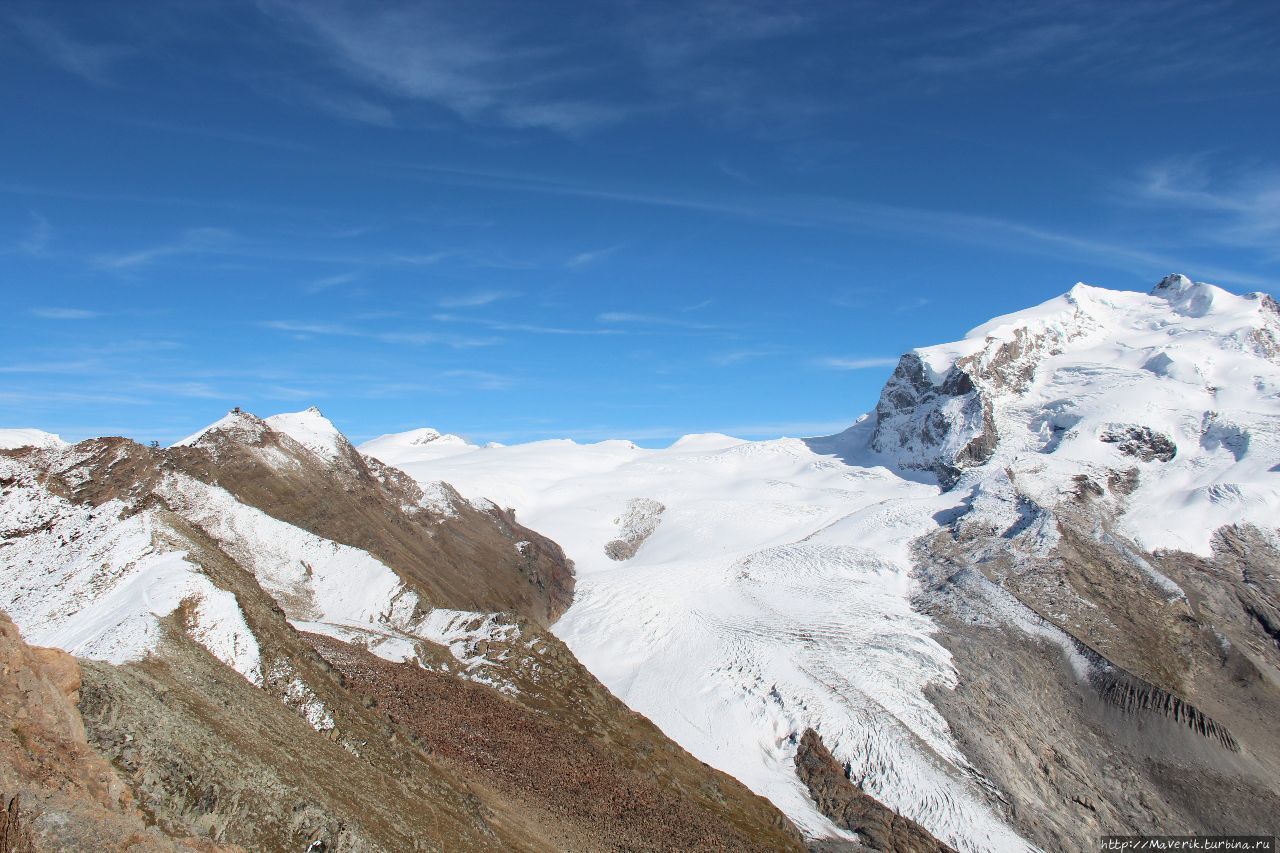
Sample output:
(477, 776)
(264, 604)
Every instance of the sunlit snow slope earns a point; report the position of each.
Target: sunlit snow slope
(768, 585)
(773, 594)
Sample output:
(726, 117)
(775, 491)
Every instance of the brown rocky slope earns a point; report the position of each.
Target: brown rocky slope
(525, 749)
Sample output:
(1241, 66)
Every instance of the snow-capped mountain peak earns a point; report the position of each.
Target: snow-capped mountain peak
(312, 430)
(236, 424)
(1188, 366)
(424, 439)
(11, 439)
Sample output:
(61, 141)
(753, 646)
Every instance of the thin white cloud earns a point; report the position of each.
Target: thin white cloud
(864, 363)
(339, 104)
(411, 338)
(475, 299)
(50, 367)
(583, 259)
(193, 241)
(64, 313)
(859, 216)
(193, 390)
(283, 392)
(36, 242)
(331, 281)
(93, 62)
(529, 328)
(477, 67)
(628, 318)
(728, 359)
(480, 380)
(1245, 205)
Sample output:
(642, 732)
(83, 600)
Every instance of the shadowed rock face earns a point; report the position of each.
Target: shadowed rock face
(942, 427)
(879, 827)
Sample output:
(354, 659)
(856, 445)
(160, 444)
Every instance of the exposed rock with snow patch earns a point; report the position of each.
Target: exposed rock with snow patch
(634, 526)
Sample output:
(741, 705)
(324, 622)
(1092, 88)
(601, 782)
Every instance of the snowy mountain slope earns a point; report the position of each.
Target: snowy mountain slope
(300, 470)
(1098, 379)
(11, 439)
(723, 628)
(177, 566)
(779, 588)
(427, 441)
(93, 580)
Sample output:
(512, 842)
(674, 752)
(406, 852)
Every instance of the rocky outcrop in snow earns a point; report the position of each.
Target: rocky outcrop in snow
(634, 526)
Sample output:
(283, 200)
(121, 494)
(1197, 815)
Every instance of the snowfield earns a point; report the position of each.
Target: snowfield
(774, 592)
(773, 595)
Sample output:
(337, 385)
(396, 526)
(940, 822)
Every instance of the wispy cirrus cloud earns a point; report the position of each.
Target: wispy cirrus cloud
(858, 216)
(1237, 207)
(481, 67)
(410, 337)
(481, 380)
(475, 299)
(91, 61)
(857, 363)
(584, 259)
(334, 102)
(629, 318)
(192, 241)
(38, 237)
(65, 313)
(728, 359)
(71, 367)
(186, 389)
(329, 282)
(522, 327)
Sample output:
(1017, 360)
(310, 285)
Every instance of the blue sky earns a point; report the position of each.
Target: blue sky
(611, 219)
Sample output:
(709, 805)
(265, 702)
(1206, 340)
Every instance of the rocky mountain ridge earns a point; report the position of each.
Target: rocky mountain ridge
(220, 593)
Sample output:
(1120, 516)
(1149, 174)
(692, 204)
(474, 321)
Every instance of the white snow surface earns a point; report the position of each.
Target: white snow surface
(312, 430)
(425, 441)
(94, 582)
(774, 595)
(1190, 361)
(86, 580)
(11, 439)
(235, 423)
